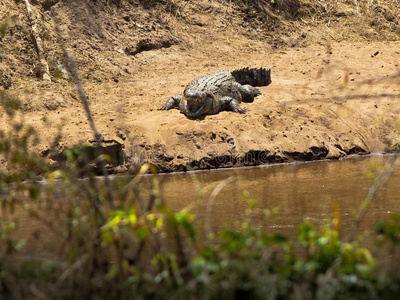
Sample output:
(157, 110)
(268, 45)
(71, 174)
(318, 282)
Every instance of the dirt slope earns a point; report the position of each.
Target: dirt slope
(335, 88)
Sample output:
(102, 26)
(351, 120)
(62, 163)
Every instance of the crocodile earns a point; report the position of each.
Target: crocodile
(223, 90)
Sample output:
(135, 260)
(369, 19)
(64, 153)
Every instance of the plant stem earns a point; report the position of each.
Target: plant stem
(388, 170)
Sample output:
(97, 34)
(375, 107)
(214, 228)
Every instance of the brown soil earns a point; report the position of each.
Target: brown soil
(335, 71)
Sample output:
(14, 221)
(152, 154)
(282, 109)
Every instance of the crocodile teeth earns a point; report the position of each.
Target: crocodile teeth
(194, 104)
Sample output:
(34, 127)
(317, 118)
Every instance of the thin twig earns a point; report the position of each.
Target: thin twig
(389, 168)
(95, 202)
(348, 97)
(342, 98)
(362, 138)
(210, 204)
(134, 184)
(38, 293)
(41, 260)
(375, 80)
(69, 270)
(73, 72)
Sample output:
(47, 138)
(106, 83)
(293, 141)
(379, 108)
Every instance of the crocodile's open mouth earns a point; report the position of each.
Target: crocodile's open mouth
(194, 104)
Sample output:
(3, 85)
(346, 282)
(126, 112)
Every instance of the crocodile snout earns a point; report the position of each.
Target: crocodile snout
(194, 104)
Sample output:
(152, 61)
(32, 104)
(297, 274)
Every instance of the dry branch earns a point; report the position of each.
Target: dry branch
(37, 41)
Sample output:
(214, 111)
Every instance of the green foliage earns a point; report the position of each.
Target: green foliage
(8, 244)
(325, 251)
(184, 220)
(389, 231)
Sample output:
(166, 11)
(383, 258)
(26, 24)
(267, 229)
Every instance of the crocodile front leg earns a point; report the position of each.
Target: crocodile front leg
(232, 104)
(172, 102)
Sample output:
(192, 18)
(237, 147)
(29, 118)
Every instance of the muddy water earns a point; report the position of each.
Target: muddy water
(302, 191)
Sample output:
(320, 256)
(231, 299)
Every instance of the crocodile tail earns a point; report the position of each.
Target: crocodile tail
(254, 76)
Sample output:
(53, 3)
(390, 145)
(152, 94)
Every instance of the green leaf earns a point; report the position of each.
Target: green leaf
(57, 74)
(190, 230)
(18, 246)
(34, 192)
(115, 220)
(273, 239)
(113, 271)
(142, 233)
(107, 237)
(70, 155)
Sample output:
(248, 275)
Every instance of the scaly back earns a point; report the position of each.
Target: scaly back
(203, 83)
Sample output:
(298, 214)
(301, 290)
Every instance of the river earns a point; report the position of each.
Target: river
(299, 192)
